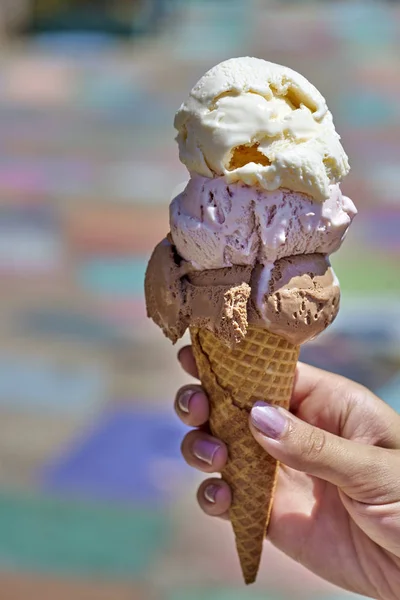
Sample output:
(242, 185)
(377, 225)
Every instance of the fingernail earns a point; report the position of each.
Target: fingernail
(184, 400)
(210, 493)
(268, 419)
(205, 450)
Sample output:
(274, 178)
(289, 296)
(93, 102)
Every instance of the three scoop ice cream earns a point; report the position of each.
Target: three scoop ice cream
(265, 164)
(247, 255)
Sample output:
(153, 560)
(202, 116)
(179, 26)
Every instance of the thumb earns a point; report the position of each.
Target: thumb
(365, 473)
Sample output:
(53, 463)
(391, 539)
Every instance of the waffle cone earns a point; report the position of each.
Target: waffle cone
(260, 367)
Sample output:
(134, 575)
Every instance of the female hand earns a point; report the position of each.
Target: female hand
(337, 504)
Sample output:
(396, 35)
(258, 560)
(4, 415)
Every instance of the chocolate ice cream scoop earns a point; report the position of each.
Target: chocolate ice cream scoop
(178, 297)
(301, 301)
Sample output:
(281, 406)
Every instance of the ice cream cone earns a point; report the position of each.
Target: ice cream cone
(245, 265)
(260, 367)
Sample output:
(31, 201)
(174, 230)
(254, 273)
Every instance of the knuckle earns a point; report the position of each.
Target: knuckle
(313, 444)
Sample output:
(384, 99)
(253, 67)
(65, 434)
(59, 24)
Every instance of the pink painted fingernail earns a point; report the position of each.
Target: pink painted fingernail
(268, 419)
(184, 400)
(205, 450)
(210, 493)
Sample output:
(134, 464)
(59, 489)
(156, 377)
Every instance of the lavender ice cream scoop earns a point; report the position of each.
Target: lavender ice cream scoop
(215, 224)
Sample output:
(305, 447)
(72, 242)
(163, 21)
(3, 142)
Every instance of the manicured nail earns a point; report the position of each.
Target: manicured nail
(205, 450)
(184, 400)
(210, 493)
(268, 419)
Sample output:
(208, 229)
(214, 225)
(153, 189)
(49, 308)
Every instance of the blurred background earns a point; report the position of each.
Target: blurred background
(95, 501)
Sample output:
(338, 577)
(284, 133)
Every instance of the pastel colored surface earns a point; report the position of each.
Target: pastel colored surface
(228, 594)
(88, 167)
(129, 455)
(390, 392)
(49, 535)
(113, 276)
(69, 323)
(34, 384)
(16, 586)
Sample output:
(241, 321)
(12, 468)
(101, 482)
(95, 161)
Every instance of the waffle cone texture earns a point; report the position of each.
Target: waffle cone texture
(261, 367)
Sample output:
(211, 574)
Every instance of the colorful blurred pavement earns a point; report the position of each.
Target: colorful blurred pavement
(95, 500)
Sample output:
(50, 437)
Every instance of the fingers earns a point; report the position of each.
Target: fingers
(365, 473)
(204, 452)
(199, 449)
(186, 358)
(380, 523)
(192, 405)
(344, 408)
(214, 497)
(207, 454)
(307, 379)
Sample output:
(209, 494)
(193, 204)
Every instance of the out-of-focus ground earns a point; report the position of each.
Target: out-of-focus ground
(95, 501)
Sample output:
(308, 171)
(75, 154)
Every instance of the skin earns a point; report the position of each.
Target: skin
(337, 503)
